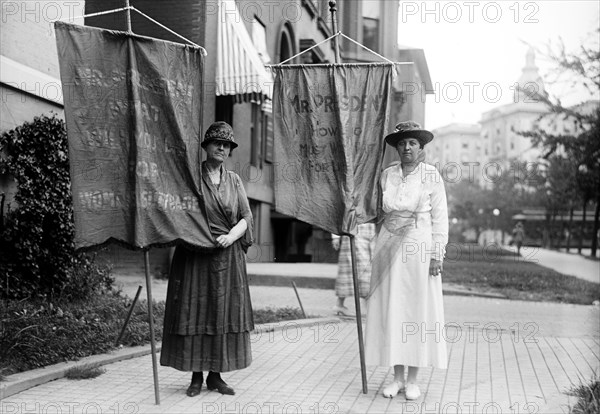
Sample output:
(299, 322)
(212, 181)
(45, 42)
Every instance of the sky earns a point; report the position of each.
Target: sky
(475, 50)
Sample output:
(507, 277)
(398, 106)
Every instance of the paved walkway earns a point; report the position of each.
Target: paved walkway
(505, 356)
(497, 364)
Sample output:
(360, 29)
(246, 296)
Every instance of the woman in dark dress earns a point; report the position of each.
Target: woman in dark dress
(208, 316)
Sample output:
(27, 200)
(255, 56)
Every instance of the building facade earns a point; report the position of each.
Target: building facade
(456, 152)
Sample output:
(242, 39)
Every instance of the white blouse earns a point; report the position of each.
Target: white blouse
(419, 193)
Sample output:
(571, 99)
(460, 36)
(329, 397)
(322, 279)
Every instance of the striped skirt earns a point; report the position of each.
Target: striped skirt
(364, 243)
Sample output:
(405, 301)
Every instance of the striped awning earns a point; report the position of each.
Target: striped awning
(240, 70)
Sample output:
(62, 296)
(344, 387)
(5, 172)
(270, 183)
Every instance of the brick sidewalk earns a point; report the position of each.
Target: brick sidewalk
(316, 369)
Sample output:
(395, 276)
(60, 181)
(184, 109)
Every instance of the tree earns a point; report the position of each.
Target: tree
(580, 144)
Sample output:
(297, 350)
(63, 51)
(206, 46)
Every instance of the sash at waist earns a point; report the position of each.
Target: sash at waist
(399, 222)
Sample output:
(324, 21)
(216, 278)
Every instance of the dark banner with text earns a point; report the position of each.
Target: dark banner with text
(330, 121)
(132, 109)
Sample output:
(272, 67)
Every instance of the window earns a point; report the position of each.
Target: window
(371, 12)
(269, 136)
(285, 47)
(224, 108)
(256, 135)
(261, 134)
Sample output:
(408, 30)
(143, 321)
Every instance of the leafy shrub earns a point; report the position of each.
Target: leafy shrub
(34, 333)
(588, 397)
(37, 239)
(268, 315)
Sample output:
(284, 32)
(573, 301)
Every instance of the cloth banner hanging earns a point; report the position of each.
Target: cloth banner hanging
(132, 109)
(329, 127)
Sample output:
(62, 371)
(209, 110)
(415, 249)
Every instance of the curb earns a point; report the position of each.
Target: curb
(309, 282)
(16, 383)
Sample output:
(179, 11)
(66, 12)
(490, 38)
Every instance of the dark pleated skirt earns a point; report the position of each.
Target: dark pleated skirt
(208, 315)
(219, 353)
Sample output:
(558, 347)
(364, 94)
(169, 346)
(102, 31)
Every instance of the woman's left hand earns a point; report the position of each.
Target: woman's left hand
(435, 267)
(225, 240)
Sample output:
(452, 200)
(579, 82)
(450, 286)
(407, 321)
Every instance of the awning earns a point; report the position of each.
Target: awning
(240, 70)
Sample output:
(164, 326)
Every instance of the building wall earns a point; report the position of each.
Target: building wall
(499, 127)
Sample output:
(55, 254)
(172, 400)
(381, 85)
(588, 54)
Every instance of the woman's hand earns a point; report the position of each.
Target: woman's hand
(335, 243)
(435, 267)
(225, 240)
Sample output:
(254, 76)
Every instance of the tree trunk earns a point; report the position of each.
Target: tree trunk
(551, 231)
(570, 229)
(563, 227)
(582, 227)
(596, 226)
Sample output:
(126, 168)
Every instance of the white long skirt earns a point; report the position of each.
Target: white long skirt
(405, 311)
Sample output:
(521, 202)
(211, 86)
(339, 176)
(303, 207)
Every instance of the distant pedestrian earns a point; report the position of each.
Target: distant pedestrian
(405, 306)
(364, 242)
(518, 235)
(208, 315)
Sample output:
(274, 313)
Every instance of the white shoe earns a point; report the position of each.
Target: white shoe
(393, 389)
(412, 391)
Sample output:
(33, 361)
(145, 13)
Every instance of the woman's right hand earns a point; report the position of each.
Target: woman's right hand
(225, 240)
(435, 267)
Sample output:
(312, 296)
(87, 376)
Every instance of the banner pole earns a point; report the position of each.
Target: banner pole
(151, 322)
(336, 45)
(128, 16)
(361, 346)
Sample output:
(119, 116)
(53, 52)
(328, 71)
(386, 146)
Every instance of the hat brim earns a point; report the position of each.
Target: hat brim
(422, 135)
(205, 142)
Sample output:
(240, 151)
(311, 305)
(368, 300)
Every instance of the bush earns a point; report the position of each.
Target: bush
(34, 333)
(269, 315)
(588, 397)
(37, 238)
(79, 373)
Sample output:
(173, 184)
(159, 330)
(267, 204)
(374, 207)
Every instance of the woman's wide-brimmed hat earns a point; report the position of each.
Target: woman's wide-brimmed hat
(219, 131)
(409, 129)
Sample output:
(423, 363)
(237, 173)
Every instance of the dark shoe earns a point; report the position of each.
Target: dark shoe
(214, 382)
(194, 389)
(196, 385)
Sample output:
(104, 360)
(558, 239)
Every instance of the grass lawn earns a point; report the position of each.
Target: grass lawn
(501, 271)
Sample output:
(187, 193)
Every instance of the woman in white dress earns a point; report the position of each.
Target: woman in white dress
(405, 317)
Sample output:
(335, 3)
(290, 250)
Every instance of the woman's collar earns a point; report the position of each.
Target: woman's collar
(417, 167)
